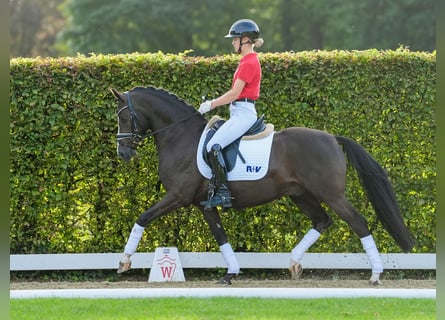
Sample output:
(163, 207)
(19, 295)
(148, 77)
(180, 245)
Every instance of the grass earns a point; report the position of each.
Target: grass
(222, 308)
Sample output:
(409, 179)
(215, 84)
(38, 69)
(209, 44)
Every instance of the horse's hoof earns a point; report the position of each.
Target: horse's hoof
(295, 269)
(124, 264)
(227, 279)
(375, 280)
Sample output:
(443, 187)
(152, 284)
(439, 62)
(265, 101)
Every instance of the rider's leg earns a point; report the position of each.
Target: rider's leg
(219, 179)
(242, 117)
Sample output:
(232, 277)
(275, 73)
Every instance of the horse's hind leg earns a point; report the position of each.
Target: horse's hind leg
(359, 225)
(320, 222)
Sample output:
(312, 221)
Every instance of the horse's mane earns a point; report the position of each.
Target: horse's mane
(165, 93)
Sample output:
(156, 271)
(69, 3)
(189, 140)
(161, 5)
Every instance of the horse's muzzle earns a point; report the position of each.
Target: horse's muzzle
(125, 153)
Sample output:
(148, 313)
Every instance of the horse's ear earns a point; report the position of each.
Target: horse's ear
(117, 94)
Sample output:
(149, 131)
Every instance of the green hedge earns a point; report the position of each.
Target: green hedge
(71, 193)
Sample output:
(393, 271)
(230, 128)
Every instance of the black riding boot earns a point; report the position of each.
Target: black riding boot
(218, 181)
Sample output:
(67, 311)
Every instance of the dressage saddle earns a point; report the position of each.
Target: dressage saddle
(232, 150)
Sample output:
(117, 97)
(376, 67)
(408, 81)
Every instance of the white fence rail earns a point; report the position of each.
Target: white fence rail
(91, 261)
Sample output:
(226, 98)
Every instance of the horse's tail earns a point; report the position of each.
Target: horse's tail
(379, 192)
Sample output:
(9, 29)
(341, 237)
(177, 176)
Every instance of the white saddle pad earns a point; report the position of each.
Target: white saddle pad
(255, 152)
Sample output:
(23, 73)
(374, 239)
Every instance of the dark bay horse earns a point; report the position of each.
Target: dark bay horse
(307, 165)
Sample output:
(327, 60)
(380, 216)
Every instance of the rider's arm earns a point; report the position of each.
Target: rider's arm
(230, 95)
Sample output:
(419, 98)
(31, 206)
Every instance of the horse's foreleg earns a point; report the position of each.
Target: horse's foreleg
(230, 258)
(167, 204)
(130, 248)
(214, 221)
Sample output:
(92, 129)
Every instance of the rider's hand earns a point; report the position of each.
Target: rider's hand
(205, 107)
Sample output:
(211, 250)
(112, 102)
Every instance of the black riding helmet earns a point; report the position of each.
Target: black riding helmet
(244, 28)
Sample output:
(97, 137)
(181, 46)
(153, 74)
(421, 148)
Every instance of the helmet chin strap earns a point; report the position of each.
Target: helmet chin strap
(241, 44)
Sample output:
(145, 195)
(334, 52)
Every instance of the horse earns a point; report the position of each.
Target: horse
(307, 165)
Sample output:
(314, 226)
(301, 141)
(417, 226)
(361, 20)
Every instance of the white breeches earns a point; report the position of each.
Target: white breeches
(242, 116)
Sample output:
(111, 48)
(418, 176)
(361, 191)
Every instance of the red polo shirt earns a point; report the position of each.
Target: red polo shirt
(249, 70)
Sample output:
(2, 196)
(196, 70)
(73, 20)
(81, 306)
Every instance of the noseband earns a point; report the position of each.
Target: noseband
(135, 124)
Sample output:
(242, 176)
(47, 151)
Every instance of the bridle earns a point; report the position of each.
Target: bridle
(135, 123)
(134, 120)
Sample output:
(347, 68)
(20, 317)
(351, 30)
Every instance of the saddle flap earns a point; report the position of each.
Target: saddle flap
(229, 153)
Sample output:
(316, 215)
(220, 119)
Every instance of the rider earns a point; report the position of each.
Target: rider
(245, 90)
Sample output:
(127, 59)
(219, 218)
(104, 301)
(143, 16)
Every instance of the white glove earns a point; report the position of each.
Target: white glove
(205, 107)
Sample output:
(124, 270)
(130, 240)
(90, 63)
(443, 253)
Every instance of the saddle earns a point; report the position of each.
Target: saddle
(258, 130)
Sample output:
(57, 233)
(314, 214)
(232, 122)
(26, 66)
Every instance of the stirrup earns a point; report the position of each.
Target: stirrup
(219, 199)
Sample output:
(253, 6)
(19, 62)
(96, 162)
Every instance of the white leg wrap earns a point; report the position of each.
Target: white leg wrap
(305, 243)
(373, 254)
(230, 258)
(133, 239)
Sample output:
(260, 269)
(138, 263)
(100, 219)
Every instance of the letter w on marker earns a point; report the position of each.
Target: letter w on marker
(166, 272)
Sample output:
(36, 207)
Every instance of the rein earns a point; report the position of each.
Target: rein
(135, 122)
